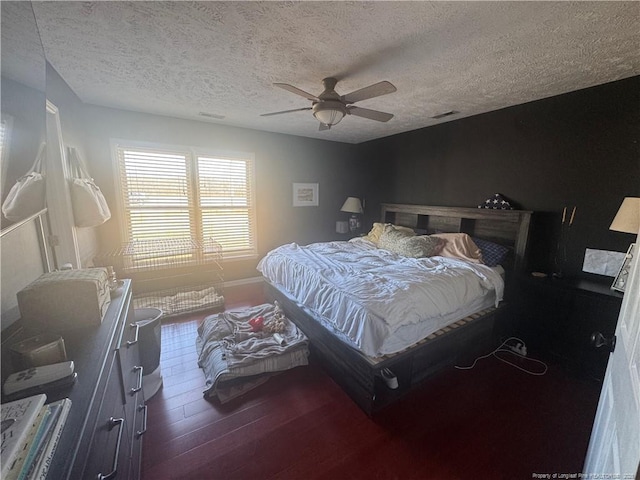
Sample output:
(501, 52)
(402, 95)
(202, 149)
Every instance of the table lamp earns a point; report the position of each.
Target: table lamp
(354, 206)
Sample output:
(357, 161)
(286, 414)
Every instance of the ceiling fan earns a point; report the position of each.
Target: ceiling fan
(329, 107)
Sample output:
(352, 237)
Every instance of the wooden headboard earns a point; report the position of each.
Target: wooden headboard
(506, 227)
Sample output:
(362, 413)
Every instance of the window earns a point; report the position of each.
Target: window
(179, 194)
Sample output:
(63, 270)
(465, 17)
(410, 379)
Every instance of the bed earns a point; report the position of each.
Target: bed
(360, 331)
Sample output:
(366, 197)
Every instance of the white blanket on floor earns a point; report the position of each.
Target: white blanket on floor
(228, 349)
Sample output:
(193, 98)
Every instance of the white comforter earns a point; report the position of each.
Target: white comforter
(376, 300)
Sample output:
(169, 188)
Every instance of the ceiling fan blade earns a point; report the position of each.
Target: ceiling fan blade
(297, 91)
(370, 114)
(324, 127)
(375, 90)
(285, 111)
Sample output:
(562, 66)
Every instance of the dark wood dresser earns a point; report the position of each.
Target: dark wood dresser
(102, 438)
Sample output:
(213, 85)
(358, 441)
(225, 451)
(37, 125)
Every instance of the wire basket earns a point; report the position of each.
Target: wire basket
(175, 275)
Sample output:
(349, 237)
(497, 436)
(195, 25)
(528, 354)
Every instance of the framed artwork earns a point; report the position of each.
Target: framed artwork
(305, 194)
(620, 282)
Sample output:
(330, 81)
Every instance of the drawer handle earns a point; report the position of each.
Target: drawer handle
(141, 407)
(139, 386)
(114, 470)
(135, 340)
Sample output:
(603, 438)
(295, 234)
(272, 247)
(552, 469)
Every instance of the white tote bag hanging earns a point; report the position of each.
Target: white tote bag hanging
(90, 208)
(27, 196)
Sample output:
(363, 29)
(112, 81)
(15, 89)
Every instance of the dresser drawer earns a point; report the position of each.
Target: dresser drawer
(109, 453)
(129, 357)
(139, 430)
(129, 362)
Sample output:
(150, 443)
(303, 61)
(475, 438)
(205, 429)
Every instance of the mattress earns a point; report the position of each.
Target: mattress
(377, 301)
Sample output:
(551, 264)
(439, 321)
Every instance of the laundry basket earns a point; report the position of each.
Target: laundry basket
(150, 340)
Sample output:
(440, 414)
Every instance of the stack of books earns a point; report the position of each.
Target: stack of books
(30, 434)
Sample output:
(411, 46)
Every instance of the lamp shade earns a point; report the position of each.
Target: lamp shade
(628, 217)
(352, 205)
(329, 112)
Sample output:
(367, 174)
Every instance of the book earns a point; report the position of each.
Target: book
(39, 446)
(33, 441)
(20, 422)
(44, 455)
(39, 443)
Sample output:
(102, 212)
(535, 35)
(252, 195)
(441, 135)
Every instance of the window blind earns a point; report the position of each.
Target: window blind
(176, 194)
(226, 203)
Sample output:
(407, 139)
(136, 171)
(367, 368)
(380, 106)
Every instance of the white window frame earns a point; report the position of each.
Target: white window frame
(192, 153)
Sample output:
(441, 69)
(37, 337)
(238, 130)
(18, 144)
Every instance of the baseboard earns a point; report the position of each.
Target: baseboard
(243, 281)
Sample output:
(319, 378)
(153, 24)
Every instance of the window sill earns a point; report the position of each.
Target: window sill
(239, 258)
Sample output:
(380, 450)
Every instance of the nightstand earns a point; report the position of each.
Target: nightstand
(557, 317)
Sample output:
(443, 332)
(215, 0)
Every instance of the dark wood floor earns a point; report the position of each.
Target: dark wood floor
(491, 422)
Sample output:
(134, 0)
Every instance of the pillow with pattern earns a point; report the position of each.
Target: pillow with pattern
(379, 228)
(410, 245)
(493, 254)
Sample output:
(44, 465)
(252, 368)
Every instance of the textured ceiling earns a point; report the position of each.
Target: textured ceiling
(22, 55)
(182, 58)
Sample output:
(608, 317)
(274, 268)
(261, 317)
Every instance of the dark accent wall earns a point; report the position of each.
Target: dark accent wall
(579, 149)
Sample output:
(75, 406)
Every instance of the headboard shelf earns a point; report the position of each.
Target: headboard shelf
(507, 227)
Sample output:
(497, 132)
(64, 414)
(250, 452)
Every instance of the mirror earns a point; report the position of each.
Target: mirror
(23, 116)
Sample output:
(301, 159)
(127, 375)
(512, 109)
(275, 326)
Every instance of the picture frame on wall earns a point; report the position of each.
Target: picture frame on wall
(305, 195)
(620, 282)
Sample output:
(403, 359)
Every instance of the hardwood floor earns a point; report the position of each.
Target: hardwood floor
(492, 422)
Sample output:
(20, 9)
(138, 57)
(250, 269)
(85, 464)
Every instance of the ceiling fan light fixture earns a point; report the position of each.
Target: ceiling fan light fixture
(329, 112)
(329, 108)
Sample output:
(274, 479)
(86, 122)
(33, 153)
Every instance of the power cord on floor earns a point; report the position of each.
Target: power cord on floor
(519, 349)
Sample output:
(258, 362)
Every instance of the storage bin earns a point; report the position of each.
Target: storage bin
(150, 342)
(65, 299)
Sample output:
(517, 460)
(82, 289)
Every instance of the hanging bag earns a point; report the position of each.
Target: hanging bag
(27, 196)
(90, 208)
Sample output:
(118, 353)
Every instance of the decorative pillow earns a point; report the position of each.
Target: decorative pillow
(378, 229)
(493, 254)
(459, 245)
(408, 245)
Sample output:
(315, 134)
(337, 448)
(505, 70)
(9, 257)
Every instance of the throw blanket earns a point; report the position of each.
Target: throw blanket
(229, 349)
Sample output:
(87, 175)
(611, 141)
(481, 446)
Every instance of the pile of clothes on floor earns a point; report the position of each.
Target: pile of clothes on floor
(241, 349)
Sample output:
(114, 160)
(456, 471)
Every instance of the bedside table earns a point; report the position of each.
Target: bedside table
(557, 317)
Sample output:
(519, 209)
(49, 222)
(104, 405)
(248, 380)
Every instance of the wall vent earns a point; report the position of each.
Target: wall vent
(445, 114)
(211, 115)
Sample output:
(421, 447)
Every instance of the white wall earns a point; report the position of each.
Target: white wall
(74, 134)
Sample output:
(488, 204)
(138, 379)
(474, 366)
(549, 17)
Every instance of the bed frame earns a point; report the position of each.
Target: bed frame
(359, 375)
